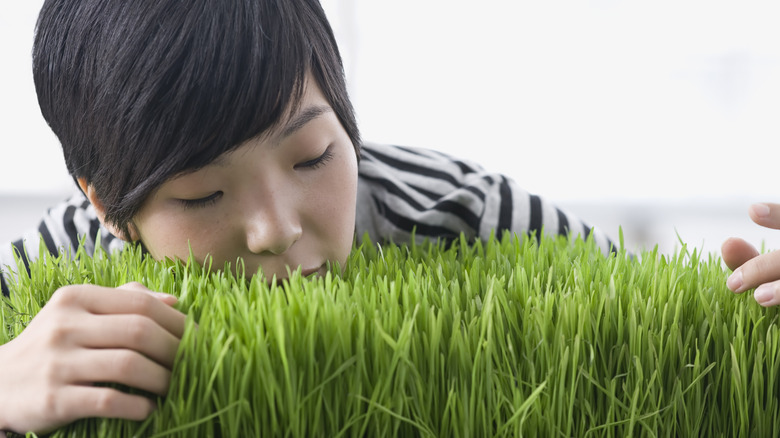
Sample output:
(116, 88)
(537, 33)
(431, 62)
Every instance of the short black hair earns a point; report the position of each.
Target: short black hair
(138, 91)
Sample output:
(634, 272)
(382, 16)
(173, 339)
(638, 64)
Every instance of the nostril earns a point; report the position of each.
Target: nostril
(266, 238)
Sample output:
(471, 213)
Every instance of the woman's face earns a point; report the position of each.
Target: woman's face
(285, 199)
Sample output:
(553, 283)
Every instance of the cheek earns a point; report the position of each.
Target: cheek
(165, 235)
(344, 209)
(333, 210)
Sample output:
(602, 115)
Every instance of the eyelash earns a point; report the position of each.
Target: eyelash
(202, 202)
(317, 162)
(214, 197)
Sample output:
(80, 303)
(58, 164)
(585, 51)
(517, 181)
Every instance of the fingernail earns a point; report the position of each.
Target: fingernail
(134, 285)
(735, 281)
(764, 294)
(761, 210)
(161, 294)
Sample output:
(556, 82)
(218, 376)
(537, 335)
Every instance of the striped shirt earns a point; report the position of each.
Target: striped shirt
(402, 192)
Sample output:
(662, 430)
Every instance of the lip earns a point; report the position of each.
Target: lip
(309, 271)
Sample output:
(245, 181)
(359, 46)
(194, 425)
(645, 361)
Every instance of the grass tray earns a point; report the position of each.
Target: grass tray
(512, 337)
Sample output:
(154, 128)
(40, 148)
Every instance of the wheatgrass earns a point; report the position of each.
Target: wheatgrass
(513, 337)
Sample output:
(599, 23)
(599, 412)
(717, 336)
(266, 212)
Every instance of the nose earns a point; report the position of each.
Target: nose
(272, 226)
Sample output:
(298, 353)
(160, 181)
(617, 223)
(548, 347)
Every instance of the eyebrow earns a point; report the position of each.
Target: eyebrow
(301, 119)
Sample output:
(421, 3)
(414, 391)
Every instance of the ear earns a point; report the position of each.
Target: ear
(100, 209)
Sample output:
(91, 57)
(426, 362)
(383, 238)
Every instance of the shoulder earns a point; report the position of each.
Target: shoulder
(415, 160)
(427, 172)
(63, 227)
(404, 191)
(53, 229)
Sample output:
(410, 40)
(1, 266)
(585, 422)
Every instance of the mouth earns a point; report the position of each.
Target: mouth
(305, 273)
(311, 271)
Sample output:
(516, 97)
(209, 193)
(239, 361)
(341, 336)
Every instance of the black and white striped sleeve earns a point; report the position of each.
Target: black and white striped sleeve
(60, 230)
(404, 190)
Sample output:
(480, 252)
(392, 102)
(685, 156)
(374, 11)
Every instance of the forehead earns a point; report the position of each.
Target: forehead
(310, 105)
(303, 107)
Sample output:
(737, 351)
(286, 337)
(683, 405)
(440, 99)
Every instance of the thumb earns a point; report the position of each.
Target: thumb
(736, 252)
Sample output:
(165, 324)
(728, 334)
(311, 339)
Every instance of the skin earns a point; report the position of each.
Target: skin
(88, 334)
(283, 200)
(751, 269)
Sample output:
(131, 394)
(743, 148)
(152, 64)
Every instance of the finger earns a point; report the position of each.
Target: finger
(134, 285)
(104, 300)
(118, 366)
(768, 294)
(756, 271)
(133, 332)
(736, 252)
(766, 215)
(166, 298)
(79, 401)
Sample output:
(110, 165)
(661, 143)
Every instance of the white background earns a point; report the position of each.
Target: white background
(662, 117)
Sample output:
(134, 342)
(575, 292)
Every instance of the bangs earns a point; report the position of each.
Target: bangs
(234, 75)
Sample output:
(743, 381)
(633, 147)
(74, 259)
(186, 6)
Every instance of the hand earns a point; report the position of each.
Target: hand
(751, 269)
(87, 334)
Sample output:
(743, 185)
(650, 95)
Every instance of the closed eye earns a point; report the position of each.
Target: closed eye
(317, 162)
(201, 202)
